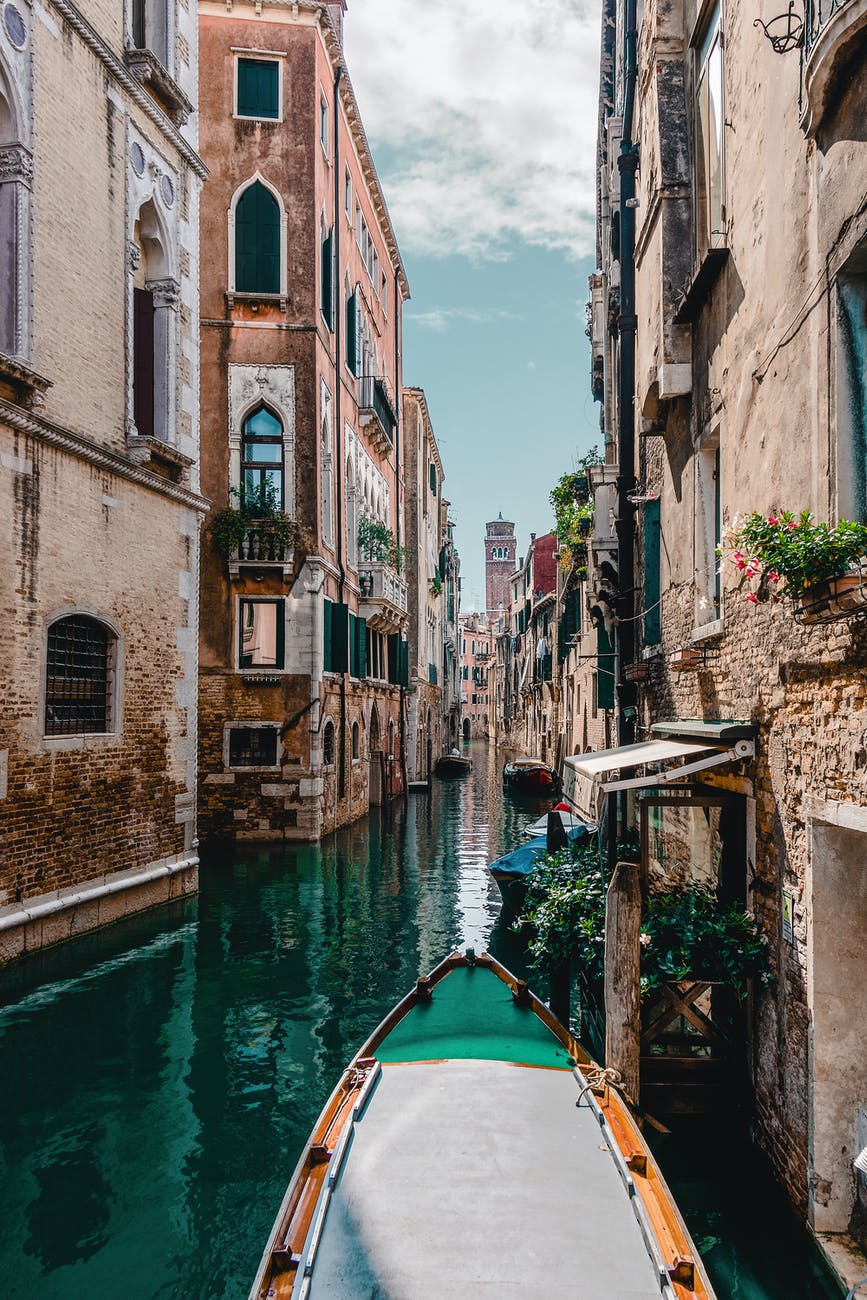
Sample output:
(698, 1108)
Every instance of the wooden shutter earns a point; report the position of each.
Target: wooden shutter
(361, 647)
(605, 665)
(143, 361)
(339, 638)
(393, 658)
(328, 278)
(258, 88)
(653, 612)
(352, 333)
(326, 636)
(257, 242)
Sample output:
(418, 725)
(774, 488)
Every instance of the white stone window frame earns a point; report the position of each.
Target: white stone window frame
(326, 448)
(256, 725)
(16, 177)
(283, 295)
(707, 615)
(116, 677)
(143, 191)
(252, 386)
(324, 124)
(259, 670)
(168, 11)
(329, 722)
(258, 56)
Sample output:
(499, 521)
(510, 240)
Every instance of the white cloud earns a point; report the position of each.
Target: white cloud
(440, 318)
(488, 115)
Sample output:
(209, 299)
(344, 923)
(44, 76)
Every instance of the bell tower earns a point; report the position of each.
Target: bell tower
(500, 550)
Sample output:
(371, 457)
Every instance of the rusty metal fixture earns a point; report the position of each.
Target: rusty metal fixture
(785, 32)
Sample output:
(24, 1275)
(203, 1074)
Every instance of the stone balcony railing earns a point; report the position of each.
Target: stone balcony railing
(376, 413)
(384, 598)
(259, 548)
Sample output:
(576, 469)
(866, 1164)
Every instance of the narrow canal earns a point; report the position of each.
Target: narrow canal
(157, 1082)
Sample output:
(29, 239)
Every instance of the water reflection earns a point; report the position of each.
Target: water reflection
(157, 1082)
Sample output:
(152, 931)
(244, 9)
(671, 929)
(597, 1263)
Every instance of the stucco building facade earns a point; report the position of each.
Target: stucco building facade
(99, 488)
(747, 240)
(304, 657)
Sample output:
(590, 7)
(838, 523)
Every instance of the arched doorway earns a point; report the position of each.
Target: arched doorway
(429, 755)
(374, 748)
(466, 728)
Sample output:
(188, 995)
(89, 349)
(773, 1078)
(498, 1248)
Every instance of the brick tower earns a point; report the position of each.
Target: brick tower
(499, 564)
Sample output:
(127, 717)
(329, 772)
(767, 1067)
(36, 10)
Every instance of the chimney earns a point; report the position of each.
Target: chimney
(336, 10)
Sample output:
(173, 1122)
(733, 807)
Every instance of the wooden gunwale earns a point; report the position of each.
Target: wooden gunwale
(278, 1269)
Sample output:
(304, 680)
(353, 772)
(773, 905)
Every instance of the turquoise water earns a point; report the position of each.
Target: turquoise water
(157, 1082)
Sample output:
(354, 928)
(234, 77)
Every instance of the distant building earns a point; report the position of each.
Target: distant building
(499, 564)
(476, 646)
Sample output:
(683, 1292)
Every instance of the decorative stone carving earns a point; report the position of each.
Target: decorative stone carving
(166, 292)
(133, 255)
(16, 164)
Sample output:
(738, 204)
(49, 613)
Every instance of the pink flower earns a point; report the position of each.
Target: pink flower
(773, 577)
(742, 564)
(775, 599)
(752, 598)
(772, 520)
(793, 523)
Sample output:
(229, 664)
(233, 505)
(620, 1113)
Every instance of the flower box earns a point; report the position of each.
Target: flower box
(836, 598)
(637, 672)
(687, 660)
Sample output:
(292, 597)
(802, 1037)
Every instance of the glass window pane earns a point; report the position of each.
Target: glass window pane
(262, 424)
(270, 453)
(259, 634)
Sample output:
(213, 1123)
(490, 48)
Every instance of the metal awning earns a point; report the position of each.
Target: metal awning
(585, 776)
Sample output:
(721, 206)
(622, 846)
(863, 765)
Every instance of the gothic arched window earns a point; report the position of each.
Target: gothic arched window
(79, 677)
(257, 241)
(262, 461)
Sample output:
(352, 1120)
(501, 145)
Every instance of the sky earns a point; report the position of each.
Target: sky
(482, 120)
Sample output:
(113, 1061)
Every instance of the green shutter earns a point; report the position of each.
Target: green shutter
(361, 646)
(352, 333)
(327, 658)
(328, 278)
(404, 663)
(257, 241)
(394, 658)
(339, 638)
(258, 88)
(605, 666)
(653, 612)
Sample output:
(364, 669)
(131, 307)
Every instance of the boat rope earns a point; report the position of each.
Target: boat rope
(599, 1076)
(851, 1294)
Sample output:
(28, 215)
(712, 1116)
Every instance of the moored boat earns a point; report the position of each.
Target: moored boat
(530, 776)
(539, 828)
(438, 1168)
(453, 764)
(510, 872)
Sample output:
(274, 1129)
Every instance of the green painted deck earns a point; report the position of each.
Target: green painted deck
(472, 1017)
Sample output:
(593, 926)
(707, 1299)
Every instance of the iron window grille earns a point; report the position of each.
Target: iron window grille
(253, 747)
(78, 677)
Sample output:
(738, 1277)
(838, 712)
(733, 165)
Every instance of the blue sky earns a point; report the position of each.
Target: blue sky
(482, 119)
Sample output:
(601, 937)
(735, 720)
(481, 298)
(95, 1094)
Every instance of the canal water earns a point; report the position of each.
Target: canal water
(158, 1081)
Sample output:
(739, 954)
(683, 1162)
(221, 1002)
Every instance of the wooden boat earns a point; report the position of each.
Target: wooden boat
(530, 776)
(453, 765)
(539, 828)
(472, 1148)
(510, 872)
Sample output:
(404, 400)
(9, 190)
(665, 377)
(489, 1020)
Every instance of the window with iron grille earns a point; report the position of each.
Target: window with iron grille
(78, 677)
(253, 746)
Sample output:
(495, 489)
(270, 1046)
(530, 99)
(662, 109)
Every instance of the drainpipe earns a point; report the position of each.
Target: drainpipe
(398, 319)
(338, 420)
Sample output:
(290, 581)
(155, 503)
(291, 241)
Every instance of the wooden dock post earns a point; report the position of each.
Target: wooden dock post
(622, 978)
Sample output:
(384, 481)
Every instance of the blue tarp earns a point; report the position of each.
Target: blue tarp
(520, 861)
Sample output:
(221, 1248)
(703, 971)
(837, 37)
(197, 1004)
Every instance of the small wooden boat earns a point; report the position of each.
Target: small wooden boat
(530, 776)
(453, 765)
(510, 872)
(472, 1148)
(539, 829)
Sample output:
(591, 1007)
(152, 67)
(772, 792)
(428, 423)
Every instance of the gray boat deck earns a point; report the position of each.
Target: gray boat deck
(479, 1179)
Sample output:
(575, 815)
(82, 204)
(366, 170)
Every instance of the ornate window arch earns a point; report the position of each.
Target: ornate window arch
(82, 674)
(155, 297)
(257, 240)
(262, 388)
(16, 183)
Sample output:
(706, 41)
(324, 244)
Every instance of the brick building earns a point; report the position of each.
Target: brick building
(433, 595)
(746, 243)
(99, 490)
(500, 554)
(304, 603)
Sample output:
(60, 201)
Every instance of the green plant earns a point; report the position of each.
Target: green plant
(376, 543)
(436, 585)
(769, 550)
(573, 513)
(686, 934)
(229, 527)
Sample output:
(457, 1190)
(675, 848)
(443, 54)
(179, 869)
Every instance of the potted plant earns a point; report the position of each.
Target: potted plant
(256, 525)
(821, 568)
(376, 543)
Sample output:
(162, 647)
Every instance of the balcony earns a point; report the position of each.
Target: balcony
(262, 547)
(832, 29)
(383, 600)
(376, 412)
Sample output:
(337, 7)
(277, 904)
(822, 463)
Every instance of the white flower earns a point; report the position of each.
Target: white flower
(644, 939)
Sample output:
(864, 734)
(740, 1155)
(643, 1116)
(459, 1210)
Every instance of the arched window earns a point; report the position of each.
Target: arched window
(79, 677)
(356, 741)
(262, 461)
(155, 300)
(257, 241)
(15, 203)
(351, 514)
(327, 481)
(328, 744)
